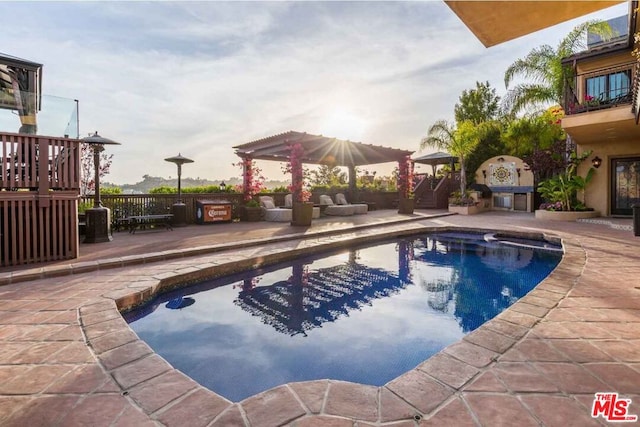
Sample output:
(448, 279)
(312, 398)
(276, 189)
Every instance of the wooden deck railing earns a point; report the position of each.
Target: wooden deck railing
(437, 197)
(40, 163)
(39, 188)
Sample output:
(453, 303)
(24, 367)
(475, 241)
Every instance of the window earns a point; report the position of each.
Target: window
(609, 86)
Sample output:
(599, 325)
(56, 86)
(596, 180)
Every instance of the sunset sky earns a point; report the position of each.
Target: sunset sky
(200, 77)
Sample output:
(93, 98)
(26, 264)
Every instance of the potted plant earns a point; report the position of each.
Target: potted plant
(251, 211)
(466, 205)
(302, 213)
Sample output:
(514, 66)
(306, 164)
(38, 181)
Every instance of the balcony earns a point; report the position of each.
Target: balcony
(599, 90)
(600, 110)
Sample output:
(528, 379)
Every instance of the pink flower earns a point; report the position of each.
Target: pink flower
(294, 166)
(253, 180)
(405, 178)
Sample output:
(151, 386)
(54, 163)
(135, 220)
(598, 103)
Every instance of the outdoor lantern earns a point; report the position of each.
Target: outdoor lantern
(596, 162)
(179, 209)
(223, 186)
(98, 218)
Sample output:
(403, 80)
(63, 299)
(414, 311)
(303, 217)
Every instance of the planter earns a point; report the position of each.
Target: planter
(250, 213)
(465, 210)
(565, 215)
(405, 206)
(82, 223)
(302, 214)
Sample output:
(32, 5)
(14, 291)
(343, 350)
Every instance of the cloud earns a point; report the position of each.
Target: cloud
(200, 77)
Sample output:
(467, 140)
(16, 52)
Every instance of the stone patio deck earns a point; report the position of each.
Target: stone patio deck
(67, 358)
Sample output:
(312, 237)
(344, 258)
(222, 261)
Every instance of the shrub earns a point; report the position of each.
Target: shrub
(561, 191)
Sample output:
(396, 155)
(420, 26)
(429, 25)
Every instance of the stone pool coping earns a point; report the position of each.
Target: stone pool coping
(159, 389)
(81, 267)
(588, 342)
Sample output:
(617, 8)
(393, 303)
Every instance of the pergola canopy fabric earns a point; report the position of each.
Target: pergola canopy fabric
(320, 149)
(434, 159)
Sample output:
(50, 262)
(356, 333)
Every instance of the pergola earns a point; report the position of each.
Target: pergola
(435, 159)
(309, 299)
(321, 150)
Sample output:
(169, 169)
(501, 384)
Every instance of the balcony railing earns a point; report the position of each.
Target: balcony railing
(613, 97)
(57, 116)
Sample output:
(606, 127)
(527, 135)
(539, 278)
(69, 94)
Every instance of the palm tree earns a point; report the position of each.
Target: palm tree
(544, 68)
(458, 142)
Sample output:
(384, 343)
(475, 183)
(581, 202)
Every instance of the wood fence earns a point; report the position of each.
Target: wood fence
(123, 205)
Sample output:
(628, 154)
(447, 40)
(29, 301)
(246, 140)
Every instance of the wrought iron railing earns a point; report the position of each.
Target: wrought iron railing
(608, 98)
(636, 95)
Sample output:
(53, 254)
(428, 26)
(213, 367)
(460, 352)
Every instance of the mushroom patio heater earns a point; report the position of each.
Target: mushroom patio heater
(98, 228)
(179, 209)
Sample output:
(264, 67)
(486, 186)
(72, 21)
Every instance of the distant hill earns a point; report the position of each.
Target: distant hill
(149, 182)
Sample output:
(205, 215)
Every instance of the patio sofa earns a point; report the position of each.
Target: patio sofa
(336, 210)
(273, 213)
(359, 208)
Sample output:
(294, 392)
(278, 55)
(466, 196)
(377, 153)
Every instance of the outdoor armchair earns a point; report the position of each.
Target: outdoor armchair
(359, 208)
(273, 213)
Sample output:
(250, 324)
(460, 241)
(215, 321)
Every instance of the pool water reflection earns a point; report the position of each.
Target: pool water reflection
(365, 315)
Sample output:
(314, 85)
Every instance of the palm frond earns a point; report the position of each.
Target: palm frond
(533, 66)
(576, 40)
(526, 96)
(439, 135)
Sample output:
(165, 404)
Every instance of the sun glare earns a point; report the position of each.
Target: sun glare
(343, 124)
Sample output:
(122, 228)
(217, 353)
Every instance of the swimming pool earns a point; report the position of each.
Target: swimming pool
(366, 314)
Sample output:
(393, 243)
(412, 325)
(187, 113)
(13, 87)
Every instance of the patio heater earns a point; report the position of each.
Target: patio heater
(179, 209)
(98, 228)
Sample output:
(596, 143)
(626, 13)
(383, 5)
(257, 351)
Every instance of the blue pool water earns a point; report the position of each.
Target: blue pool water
(365, 315)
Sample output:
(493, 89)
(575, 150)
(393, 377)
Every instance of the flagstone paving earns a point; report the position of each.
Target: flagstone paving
(67, 358)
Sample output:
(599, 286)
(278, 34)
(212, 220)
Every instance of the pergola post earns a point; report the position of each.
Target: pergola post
(247, 177)
(405, 255)
(352, 184)
(405, 186)
(296, 180)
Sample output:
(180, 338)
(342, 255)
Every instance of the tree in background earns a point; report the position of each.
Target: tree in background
(544, 73)
(540, 141)
(526, 135)
(87, 169)
(459, 142)
(327, 175)
(477, 105)
(480, 106)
